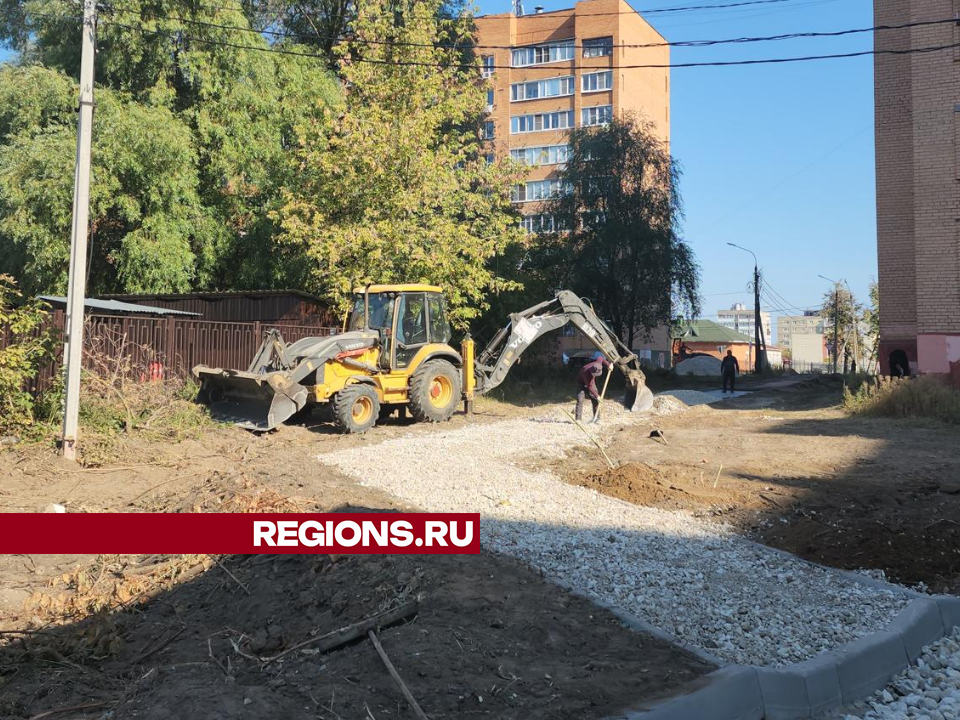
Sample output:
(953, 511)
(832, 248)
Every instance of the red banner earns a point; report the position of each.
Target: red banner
(239, 533)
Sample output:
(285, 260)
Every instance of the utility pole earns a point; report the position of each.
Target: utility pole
(758, 356)
(73, 351)
(836, 321)
(856, 327)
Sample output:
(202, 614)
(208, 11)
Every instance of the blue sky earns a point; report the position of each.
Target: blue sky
(777, 158)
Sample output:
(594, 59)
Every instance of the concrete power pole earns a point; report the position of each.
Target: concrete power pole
(73, 351)
(758, 355)
(856, 328)
(836, 326)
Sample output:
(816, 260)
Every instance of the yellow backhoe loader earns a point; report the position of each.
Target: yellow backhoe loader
(395, 352)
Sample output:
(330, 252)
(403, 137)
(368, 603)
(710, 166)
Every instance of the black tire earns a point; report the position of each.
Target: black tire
(434, 391)
(355, 408)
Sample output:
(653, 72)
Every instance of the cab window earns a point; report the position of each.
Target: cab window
(381, 312)
(411, 326)
(439, 327)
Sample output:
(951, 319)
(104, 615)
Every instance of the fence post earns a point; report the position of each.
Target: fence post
(169, 353)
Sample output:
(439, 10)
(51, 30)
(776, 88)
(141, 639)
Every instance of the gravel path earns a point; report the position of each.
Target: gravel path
(929, 690)
(695, 579)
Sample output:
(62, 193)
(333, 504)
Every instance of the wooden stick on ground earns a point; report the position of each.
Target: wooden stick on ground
(719, 470)
(335, 639)
(71, 708)
(592, 439)
(421, 715)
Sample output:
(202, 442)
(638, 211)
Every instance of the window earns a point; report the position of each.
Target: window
(487, 66)
(550, 87)
(538, 190)
(537, 54)
(544, 155)
(539, 223)
(439, 326)
(598, 47)
(594, 82)
(541, 121)
(599, 115)
(490, 158)
(411, 327)
(489, 99)
(489, 127)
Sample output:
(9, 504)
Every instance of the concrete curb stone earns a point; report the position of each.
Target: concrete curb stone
(804, 690)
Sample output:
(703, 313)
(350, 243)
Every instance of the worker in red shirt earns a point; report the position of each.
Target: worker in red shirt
(587, 380)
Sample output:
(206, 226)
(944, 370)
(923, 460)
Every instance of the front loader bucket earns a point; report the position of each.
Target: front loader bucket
(638, 397)
(252, 401)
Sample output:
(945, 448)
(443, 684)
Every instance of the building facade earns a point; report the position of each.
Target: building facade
(742, 320)
(553, 71)
(790, 325)
(918, 195)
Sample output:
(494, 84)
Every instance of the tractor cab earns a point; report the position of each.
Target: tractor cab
(408, 318)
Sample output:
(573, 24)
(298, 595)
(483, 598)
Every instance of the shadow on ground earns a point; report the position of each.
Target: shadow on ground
(491, 639)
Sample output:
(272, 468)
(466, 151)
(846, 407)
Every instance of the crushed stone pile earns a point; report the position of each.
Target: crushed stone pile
(691, 397)
(929, 690)
(700, 365)
(697, 580)
(667, 405)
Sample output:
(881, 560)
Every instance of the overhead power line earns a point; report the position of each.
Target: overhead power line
(641, 11)
(480, 46)
(415, 63)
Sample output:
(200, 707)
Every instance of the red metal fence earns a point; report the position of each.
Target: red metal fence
(168, 347)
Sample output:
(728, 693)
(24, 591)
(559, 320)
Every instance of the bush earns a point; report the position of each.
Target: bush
(25, 344)
(924, 397)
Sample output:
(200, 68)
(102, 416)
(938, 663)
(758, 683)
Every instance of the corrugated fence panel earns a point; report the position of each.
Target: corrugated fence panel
(145, 348)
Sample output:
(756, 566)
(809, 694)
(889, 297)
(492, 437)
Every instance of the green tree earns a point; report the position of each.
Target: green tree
(193, 140)
(397, 187)
(26, 346)
(841, 310)
(621, 215)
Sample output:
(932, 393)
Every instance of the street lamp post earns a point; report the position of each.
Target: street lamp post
(759, 355)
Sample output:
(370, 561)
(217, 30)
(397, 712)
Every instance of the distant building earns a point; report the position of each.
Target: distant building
(741, 319)
(790, 325)
(550, 72)
(808, 351)
(653, 352)
(710, 338)
(917, 120)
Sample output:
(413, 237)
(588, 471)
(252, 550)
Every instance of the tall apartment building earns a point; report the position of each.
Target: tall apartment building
(553, 71)
(742, 319)
(789, 325)
(918, 196)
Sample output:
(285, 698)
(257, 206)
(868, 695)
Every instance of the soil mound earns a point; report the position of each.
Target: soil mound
(639, 483)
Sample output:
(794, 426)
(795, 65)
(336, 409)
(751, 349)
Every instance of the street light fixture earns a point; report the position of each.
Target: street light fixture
(757, 327)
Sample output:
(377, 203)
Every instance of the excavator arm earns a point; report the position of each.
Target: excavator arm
(499, 356)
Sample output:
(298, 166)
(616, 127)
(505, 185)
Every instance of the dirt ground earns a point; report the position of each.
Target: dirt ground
(787, 467)
(161, 637)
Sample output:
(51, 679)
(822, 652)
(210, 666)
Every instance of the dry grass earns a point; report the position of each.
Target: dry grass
(925, 397)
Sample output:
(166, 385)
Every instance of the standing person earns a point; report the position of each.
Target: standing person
(729, 368)
(587, 381)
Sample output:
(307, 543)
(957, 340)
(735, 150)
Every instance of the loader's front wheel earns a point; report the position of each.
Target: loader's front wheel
(434, 391)
(355, 408)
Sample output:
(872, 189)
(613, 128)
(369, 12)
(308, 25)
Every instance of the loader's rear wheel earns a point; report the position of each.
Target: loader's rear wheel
(434, 391)
(355, 408)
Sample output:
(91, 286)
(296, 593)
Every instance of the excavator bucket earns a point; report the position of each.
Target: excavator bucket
(255, 401)
(638, 397)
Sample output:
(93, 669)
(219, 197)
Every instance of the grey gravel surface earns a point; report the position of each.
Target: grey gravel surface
(929, 690)
(695, 579)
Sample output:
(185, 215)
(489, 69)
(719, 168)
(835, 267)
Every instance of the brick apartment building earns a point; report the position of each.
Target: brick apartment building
(553, 71)
(918, 194)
